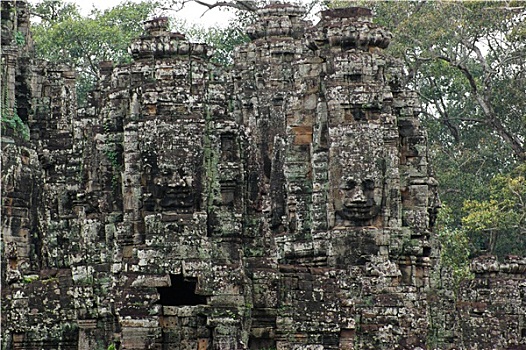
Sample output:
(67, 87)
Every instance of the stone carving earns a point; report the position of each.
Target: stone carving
(358, 188)
(284, 203)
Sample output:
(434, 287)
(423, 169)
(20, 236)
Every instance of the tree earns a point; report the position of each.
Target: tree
(54, 11)
(223, 40)
(455, 248)
(63, 35)
(499, 223)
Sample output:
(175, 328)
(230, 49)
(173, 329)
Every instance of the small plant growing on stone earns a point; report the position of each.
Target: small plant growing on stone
(20, 38)
(30, 278)
(11, 119)
(9, 115)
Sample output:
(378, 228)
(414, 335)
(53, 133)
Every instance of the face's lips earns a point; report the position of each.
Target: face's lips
(360, 211)
(358, 204)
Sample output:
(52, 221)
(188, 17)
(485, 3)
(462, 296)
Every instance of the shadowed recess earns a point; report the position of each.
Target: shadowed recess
(181, 292)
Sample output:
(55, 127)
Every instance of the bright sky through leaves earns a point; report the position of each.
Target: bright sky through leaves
(191, 13)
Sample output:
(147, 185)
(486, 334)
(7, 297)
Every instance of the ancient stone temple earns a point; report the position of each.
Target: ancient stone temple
(285, 202)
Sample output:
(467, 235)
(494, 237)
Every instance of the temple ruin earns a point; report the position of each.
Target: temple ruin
(285, 202)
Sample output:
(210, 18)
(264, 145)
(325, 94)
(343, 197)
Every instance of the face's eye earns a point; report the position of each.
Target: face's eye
(350, 184)
(368, 185)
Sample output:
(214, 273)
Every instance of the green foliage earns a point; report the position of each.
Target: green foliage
(111, 347)
(455, 247)
(112, 155)
(55, 11)
(113, 158)
(10, 119)
(224, 40)
(499, 222)
(85, 41)
(30, 279)
(9, 115)
(20, 38)
(82, 42)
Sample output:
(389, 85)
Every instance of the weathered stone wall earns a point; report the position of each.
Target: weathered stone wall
(485, 312)
(285, 203)
(35, 185)
(491, 308)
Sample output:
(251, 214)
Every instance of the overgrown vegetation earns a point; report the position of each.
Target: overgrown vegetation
(64, 35)
(455, 247)
(497, 224)
(11, 120)
(20, 38)
(112, 155)
(9, 114)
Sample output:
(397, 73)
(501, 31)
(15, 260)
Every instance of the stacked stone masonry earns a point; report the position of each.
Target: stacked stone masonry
(285, 202)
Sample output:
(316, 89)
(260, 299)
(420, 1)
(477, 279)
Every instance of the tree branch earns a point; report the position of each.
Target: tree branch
(41, 16)
(516, 9)
(484, 102)
(485, 67)
(442, 111)
(94, 68)
(239, 5)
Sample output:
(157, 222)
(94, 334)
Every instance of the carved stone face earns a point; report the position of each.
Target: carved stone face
(170, 190)
(357, 175)
(357, 205)
(357, 200)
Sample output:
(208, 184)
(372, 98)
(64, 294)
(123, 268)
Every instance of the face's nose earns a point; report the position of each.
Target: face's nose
(357, 195)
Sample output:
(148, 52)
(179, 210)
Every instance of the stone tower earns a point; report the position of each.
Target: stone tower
(345, 195)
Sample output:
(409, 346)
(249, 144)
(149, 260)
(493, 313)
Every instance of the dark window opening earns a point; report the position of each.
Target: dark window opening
(13, 263)
(228, 147)
(427, 251)
(181, 292)
(348, 44)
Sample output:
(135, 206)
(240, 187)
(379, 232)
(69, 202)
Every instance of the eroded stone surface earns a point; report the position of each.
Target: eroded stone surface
(285, 203)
